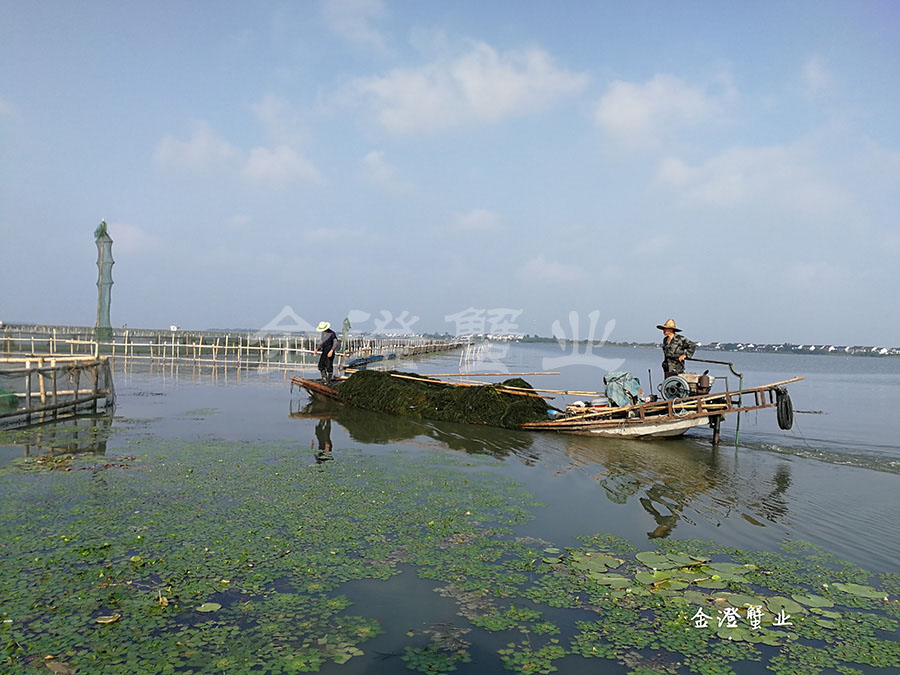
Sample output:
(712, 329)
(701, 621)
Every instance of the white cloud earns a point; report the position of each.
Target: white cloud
(549, 271)
(204, 149)
(781, 176)
(650, 246)
(644, 115)
(279, 167)
(338, 235)
(239, 221)
(353, 19)
(482, 85)
(132, 239)
(816, 78)
(279, 119)
(477, 220)
(380, 172)
(5, 107)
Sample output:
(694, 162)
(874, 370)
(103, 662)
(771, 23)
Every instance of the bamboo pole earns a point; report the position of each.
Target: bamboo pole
(55, 398)
(28, 392)
(483, 374)
(95, 387)
(41, 384)
(467, 384)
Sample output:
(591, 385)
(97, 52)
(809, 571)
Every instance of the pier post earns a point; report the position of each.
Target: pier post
(28, 392)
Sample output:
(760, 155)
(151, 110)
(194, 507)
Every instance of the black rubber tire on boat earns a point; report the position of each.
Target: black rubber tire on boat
(785, 408)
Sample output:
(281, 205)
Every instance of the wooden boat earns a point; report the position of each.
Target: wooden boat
(643, 420)
(673, 417)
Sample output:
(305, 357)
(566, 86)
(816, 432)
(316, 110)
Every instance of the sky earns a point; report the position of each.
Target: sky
(585, 168)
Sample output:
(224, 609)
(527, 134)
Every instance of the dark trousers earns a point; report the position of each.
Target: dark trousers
(326, 366)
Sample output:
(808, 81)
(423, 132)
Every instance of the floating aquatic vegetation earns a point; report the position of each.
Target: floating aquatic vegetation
(488, 404)
(214, 556)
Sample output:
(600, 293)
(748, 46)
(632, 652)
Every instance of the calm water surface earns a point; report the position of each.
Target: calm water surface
(834, 479)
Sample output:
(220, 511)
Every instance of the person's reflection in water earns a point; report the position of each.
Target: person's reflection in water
(323, 435)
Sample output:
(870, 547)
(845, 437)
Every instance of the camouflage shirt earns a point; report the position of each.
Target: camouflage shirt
(674, 348)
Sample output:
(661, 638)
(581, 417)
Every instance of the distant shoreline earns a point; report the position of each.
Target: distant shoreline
(730, 347)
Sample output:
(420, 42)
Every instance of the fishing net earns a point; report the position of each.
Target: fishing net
(488, 404)
(49, 387)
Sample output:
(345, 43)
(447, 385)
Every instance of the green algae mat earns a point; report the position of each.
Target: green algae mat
(221, 557)
(409, 395)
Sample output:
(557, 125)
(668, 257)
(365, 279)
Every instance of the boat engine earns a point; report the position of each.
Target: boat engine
(686, 384)
(674, 386)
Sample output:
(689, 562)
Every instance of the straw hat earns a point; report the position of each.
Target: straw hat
(323, 325)
(669, 324)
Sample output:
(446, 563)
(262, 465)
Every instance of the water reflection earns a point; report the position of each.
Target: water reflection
(674, 481)
(77, 434)
(323, 435)
(677, 480)
(365, 426)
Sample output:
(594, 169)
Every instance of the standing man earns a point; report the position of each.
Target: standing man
(676, 348)
(327, 347)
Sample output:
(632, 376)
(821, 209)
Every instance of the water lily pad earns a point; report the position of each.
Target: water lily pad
(597, 563)
(656, 561)
(739, 634)
(614, 580)
(825, 623)
(696, 597)
(730, 568)
(112, 618)
(209, 607)
(682, 559)
(766, 637)
(813, 600)
(861, 591)
(711, 583)
(777, 603)
(645, 578)
(826, 613)
(737, 600)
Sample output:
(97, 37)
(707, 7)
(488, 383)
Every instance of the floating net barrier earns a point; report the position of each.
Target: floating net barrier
(390, 392)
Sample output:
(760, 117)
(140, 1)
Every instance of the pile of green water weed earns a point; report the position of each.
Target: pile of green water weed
(488, 404)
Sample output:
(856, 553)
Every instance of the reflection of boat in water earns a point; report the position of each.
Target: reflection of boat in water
(677, 482)
(366, 426)
(682, 407)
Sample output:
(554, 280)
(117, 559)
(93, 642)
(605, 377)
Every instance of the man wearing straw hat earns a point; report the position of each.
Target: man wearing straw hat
(676, 348)
(327, 347)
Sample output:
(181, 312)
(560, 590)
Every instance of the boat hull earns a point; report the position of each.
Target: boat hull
(642, 431)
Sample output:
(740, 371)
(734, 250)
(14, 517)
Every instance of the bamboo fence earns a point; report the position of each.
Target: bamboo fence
(55, 386)
(287, 351)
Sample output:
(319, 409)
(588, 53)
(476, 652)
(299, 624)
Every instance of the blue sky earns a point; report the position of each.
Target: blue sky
(733, 165)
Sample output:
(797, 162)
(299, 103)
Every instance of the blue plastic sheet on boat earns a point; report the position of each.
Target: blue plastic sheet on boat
(621, 387)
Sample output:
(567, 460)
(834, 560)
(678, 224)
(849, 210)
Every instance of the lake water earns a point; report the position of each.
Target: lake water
(833, 480)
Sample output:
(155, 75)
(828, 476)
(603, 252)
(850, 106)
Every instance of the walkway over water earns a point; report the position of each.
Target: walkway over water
(243, 349)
